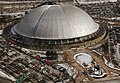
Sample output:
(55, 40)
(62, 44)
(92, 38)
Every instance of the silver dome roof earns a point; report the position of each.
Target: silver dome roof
(56, 22)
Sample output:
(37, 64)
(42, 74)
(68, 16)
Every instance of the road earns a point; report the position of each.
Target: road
(109, 81)
(69, 57)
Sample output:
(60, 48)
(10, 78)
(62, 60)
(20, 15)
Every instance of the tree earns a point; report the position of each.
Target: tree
(115, 62)
(1, 12)
(26, 12)
(43, 80)
(105, 47)
(51, 55)
(85, 65)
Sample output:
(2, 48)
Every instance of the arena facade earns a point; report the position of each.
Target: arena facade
(57, 27)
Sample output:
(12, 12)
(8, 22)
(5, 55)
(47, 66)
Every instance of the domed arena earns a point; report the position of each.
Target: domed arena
(60, 42)
(57, 27)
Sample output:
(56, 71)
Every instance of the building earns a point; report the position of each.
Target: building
(50, 28)
(93, 1)
(57, 27)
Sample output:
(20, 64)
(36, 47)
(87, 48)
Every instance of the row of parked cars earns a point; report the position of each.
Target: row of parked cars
(114, 40)
(19, 62)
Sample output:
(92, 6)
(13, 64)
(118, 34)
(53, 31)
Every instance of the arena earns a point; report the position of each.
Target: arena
(57, 27)
(55, 42)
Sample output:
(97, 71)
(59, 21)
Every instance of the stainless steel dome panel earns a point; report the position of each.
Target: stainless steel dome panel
(56, 22)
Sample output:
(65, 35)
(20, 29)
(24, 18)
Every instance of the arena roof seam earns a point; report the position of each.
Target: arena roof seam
(65, 17)
(36, 26)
